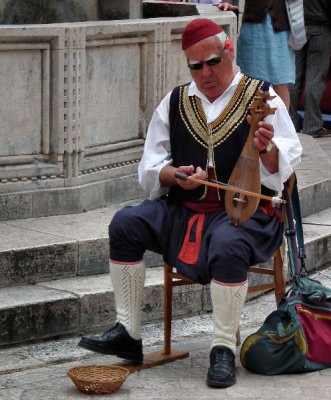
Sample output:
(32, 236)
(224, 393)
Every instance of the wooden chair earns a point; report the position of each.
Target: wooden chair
(172, 279)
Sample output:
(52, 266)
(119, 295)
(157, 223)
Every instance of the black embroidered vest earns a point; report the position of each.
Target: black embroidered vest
(191, 136)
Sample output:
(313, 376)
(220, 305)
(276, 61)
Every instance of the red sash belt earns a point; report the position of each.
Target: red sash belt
(190, 249)
(189, 252)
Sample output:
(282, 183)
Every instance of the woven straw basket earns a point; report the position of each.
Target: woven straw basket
(98, 379)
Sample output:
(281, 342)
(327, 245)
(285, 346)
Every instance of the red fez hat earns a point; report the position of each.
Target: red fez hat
(199, 29)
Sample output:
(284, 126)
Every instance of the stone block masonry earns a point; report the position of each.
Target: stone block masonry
(76, 101)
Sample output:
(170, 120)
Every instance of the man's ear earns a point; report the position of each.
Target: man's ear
(228, 44)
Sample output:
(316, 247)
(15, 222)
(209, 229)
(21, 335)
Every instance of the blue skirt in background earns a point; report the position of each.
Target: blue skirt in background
(265, 54)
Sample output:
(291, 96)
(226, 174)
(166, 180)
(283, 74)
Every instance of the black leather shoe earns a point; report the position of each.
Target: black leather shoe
(116, 341)
(222, 370)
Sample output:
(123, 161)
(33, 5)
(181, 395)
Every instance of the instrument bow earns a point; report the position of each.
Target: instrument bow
(224, 186)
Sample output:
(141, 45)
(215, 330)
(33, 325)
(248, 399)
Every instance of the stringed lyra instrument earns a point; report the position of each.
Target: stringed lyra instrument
(246, 173)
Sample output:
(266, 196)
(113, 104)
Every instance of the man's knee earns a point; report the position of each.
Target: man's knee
(231, 261)
(120, 224)
(123, 234)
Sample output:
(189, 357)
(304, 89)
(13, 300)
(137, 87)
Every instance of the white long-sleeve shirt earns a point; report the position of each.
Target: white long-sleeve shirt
(157, 152)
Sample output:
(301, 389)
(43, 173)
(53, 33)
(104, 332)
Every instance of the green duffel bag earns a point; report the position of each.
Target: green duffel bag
(279, 346)
(296, 337)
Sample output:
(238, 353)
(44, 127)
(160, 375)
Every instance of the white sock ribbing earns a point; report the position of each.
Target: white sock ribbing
(228, 302)
(128, 284)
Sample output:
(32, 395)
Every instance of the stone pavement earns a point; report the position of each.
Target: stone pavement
(39, 371)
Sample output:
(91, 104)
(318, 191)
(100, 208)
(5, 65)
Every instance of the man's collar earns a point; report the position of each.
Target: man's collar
(194, 91)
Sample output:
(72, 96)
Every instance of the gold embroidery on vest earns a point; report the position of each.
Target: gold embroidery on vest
(226, 123)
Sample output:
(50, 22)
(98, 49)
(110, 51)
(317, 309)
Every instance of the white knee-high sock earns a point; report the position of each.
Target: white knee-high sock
(128, 284)
(228, 302)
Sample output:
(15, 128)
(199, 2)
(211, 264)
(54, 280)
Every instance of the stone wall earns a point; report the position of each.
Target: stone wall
(54, 11)
(75, 103)
(50, 11)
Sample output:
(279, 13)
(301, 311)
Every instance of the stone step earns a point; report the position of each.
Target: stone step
(314, 175)
(77, 305)
(41, 249)
(57, 247)
(60, 249)
(50, 248)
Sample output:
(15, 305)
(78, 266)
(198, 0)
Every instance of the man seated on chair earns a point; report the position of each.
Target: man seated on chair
(199, 129)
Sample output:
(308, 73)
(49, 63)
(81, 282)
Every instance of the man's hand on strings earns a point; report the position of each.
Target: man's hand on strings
(263, 135)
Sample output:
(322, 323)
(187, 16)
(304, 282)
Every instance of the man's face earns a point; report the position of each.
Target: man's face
(211, 80)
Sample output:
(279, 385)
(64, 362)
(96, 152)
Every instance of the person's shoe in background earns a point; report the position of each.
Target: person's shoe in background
(322, 133)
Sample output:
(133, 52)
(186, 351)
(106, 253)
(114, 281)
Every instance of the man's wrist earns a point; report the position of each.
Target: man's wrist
(268, 148)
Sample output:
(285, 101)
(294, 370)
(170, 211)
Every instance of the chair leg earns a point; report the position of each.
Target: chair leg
(167, 309)
(238, 342)
(279, 278)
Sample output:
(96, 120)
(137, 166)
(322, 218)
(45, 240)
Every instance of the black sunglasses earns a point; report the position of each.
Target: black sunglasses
(211, 62)
(199, 65)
